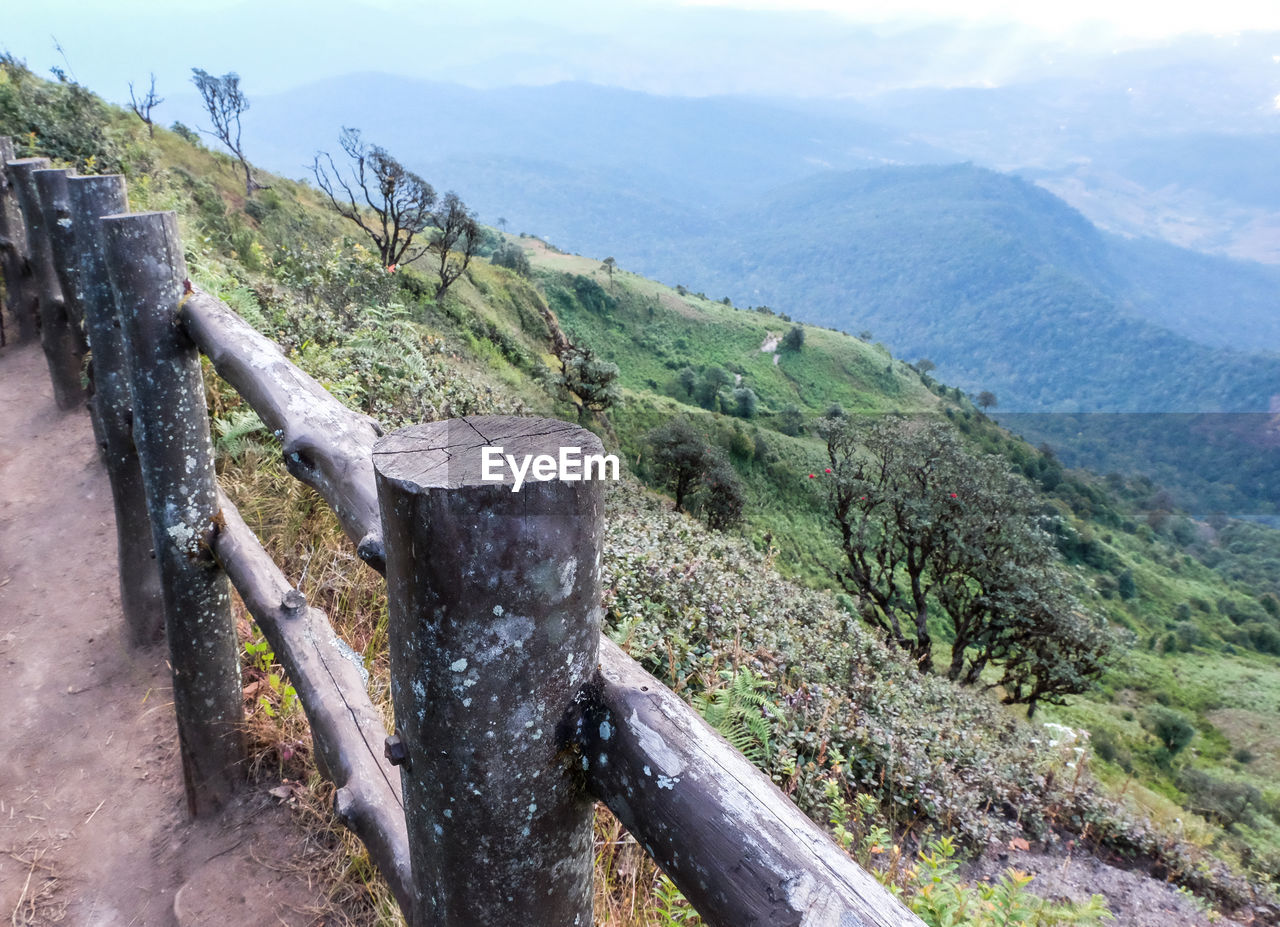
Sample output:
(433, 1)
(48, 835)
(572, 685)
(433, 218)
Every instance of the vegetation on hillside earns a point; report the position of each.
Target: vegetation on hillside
(1182, 760)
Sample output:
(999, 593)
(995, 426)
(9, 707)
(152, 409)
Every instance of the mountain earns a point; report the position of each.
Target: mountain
(703, 150)
(998, 283)
(849, 215)
(853, 214)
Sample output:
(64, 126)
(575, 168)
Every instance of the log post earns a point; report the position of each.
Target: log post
(494, 628)
(171, 430)
(88, 200)
(55, 218)
(15, 265)
(62, 351)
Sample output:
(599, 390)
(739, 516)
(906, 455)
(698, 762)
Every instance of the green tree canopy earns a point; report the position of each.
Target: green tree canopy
(932, 533)
(593, 380)
(696, 472)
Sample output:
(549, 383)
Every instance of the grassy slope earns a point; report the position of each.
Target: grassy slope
(1231, 693)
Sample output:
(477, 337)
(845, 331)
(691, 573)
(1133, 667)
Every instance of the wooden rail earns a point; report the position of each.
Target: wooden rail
(513, 712)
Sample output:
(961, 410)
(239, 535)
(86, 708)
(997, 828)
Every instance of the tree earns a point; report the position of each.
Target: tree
(511, 256)
(924, 366)
(142, 108)
(793, 340)
(791, 421)
(745, 402)
(688, 379)
(722, 497)
(592, 380)
(986, 400)
(1052, 654)
(1125, 586)
(1172, 728)
(390, 204)
(691, 469)
(930, 533)
(454, 241)
(609, 264)
(714, 379)
(678, 457)
(225, 102)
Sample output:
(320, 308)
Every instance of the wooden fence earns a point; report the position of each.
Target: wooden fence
(514, 714)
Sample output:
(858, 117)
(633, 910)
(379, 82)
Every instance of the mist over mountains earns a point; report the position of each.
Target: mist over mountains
(847, 213)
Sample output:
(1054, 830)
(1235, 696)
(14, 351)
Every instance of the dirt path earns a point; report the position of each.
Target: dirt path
(93, 826)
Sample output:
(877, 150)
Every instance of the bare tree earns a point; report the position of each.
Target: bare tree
(455, 241)
(142, 108)
(224, 101)
(391, 204)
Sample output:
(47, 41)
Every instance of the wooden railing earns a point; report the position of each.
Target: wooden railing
(513, 712)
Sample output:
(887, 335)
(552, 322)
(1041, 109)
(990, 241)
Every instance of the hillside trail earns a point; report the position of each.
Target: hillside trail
(93, 823)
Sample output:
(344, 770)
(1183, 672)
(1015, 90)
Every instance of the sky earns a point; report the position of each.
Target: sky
(1134, 18)
(817, 48)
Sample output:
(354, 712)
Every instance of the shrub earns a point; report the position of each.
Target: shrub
(1224, 801)
(1173, 729)
(59, 120)
(512, 257)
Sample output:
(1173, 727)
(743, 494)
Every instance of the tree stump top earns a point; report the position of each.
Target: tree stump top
(451, 454)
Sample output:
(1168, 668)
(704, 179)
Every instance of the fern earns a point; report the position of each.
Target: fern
(739, 712)
(245, 302)
(237, 433)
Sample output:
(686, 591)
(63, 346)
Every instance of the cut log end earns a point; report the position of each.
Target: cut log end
(473, 451)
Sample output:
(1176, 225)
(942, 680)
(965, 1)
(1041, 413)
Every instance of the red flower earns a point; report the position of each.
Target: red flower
(828, 470)
(953, 495)
(812, 477)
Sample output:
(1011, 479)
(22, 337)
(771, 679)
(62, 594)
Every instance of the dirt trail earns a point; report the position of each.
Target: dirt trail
(93, 824)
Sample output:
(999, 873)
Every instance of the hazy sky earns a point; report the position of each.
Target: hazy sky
(817, 48)
(1141, 18)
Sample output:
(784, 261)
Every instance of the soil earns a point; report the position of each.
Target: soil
(1135, 898)
(93, 822)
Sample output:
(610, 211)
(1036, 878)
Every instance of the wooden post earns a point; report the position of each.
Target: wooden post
(83, 249)
(14, 263)
(62, 351)
(55, 218)
(171, 430)
(494, 625)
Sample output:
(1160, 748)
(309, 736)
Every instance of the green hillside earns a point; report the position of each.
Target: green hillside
(1007, 289)
(996, 281)
(1180, 771)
